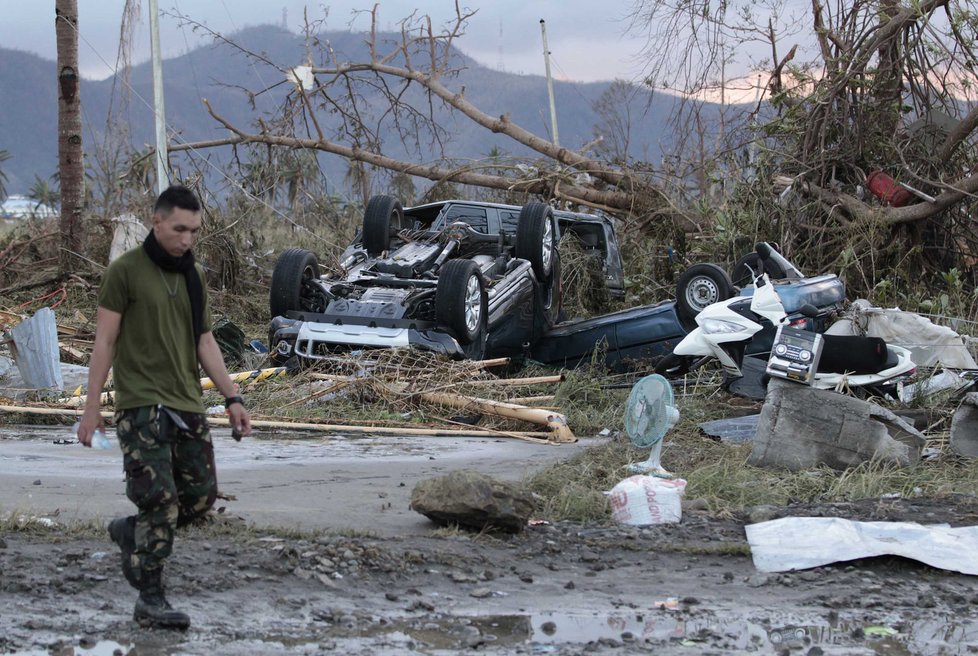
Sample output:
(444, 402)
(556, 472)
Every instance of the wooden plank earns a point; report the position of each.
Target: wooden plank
(557, 423)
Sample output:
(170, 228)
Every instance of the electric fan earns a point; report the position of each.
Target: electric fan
(649, 414)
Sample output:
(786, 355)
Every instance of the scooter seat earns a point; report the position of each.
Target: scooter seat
(855, 355)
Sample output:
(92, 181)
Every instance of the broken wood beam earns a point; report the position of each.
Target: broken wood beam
(531, 400)
(247, 376)
(535, 380)
(485, 364)
(557, 422)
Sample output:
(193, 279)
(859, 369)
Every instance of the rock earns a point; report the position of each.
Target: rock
(758, 514)
(802, 427)
(964, 427)
(473, 500)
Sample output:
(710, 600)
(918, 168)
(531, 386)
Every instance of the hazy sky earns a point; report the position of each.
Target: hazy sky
(586, 38)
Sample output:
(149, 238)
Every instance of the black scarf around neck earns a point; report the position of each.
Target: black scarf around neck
(185, 265)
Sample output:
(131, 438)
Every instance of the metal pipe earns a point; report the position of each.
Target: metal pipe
(550, 82)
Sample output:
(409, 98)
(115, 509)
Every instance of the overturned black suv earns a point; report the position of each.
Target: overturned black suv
(466, 279)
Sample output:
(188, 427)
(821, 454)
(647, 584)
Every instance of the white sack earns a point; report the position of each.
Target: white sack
(643, 500)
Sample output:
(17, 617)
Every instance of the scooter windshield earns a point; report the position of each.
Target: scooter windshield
(766, 302)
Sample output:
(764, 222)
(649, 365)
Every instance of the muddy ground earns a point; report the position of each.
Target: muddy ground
(689, 588)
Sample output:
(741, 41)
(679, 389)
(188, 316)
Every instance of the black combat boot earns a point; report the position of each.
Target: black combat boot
(152, 608)
(123, 533)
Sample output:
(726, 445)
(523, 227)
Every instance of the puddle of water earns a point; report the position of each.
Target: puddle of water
(101, 648)
(547, 632)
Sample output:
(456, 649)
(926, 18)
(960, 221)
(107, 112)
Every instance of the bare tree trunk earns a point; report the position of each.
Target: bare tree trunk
(70, 162)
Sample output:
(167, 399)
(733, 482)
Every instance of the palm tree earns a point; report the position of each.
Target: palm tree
(43, 193)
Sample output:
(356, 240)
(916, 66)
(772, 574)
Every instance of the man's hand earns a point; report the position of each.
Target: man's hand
(240, 421)
(90, 422)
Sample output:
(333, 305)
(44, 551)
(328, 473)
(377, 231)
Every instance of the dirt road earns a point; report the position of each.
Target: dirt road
(555, 589)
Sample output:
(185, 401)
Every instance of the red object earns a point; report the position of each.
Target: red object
(887, 189)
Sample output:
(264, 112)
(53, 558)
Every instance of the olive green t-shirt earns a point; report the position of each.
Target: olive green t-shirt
(155, 355)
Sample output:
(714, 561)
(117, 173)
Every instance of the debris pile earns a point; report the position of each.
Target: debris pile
(413, 392)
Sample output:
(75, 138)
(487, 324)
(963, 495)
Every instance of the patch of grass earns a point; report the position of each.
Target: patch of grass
(51, 528)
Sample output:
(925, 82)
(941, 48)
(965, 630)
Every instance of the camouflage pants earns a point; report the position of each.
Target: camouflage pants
(170, 476)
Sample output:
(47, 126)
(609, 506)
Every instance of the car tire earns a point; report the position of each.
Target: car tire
(383, 215)
(536, 238)
(699, 286)
(749, 267)
(295, 266)
(461, 302)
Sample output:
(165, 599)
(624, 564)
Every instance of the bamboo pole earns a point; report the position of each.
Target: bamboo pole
(325, 428)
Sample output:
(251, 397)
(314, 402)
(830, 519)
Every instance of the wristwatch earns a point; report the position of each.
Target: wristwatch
(229, 401)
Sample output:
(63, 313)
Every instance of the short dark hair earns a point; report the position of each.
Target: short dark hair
(176, 196)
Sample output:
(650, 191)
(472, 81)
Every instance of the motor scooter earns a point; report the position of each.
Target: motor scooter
(727, 330)
(794, 290)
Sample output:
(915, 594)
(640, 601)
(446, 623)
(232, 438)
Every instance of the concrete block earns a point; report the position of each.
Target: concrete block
(802, 427)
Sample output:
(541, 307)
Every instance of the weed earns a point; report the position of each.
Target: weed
(51, 527)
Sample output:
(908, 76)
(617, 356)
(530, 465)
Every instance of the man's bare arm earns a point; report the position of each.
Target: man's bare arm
(106, 332)
(209, 355)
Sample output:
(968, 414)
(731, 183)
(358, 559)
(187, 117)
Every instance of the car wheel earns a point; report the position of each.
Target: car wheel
(295, 268)
(461, 303)
(749, 267)
(547, 298)
(699, 286)
(536, 238)
(383, 215)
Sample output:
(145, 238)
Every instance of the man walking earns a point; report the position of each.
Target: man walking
(153, 328)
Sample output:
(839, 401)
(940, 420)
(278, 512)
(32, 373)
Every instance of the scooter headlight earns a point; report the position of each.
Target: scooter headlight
(719, 327)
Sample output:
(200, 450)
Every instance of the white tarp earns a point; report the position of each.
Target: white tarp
(793, 543)
(929, 343)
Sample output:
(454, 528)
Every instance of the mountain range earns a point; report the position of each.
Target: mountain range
(224, 75)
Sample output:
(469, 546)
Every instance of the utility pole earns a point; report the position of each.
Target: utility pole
(550, 82)
(71, 166)
(162, 175)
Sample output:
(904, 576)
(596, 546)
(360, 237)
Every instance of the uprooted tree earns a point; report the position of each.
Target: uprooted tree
(888, 87)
